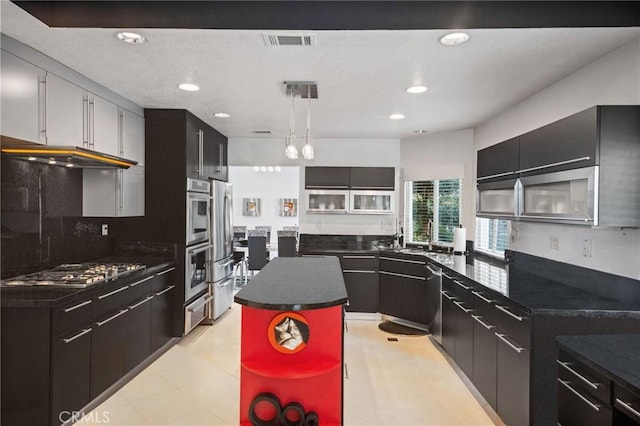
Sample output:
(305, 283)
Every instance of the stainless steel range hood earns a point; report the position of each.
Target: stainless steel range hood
(65, 156)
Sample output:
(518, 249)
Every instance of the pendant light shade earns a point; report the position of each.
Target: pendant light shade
(303, 89)
(290, 150)
(307, 149)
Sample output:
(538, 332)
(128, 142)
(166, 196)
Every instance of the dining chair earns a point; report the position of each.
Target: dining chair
(266, 229)
(258, 255)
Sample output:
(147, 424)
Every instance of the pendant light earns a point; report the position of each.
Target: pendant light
(290, 150)
(307, 149)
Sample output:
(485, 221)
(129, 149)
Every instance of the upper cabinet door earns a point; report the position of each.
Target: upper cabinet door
(66, 113)
(132, 136)
(215, 154)
(500, 160)
(372, 178)
(194, 147)
(22, 99)
(569, 143)
(103, 125)
(131, 192)
(326, 177)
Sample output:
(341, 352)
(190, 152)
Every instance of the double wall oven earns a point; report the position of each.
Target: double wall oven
(197, 258)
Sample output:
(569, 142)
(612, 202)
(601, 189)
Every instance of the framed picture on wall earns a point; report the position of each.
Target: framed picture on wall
(251, 207)
(288, 206)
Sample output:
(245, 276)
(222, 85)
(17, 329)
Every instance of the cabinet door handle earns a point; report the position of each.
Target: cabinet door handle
(445, 294)
(374, 188)
(121, 140)
(418, 262)
(132, 307)
(531, 216)
(141, 281)
(459, 305)
(413, 277)
(166, 271)
(353, 256)
(433, 271)
(627, 406)
(165, 290)
(511, 314)
(327, 186)
(73, 308)
(579, 395)
(358, 271)
(578, 375)
(113, 292)
(480, 296)
(484, 324)
(220, 154)
(42, 108)
(200, 152)
(111, 318)
(121, 189)
(92, 130)
(466, 287)
(511, 345)
(495, 176)
(559, 163)
(447, 276)
(82, 333)
(85, 121)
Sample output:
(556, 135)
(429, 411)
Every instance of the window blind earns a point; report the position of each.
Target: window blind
(432, 210)
(492, 236)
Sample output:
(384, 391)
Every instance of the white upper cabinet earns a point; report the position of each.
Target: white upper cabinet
(131, 136)
(113, 193)
(22, 99)
(65, 113)
(103, 125)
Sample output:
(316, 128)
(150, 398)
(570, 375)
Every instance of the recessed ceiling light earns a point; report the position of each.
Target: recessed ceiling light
(188, 87)
(222, 115)
(129, 37)
(419, 132)
(277, 168)
(396, 116)
(417, 89)
(263, 168)
(453, 39)
(256, 168)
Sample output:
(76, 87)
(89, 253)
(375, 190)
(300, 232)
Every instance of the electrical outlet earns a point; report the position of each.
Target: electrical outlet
(105, 229)
(586, 248)
(513, 236)
(555, 243)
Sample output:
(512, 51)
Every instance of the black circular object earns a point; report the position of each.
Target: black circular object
(395, 328)
(293, 407)
(268, 398)
(311, 419)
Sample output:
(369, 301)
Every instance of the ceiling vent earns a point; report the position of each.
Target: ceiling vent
(289, 39)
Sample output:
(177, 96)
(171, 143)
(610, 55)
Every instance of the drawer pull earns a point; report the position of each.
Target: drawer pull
(358, 271)
(350, 256)
(141, 281)
(627, 406)
(165, 290)
(511, 314)
(166, 271)
(434, 271)
(445, 294)
(113, 292)
(140, 303)
(101, 323)
(446, 276)
(413, 277)
(579, 395)
(73, 308)
(481, 297)
(466, 287)
(511, 345)
(417, 262)
(484, 324)
(459, 305)
(578, 375)
(199, 304)
(82, 333)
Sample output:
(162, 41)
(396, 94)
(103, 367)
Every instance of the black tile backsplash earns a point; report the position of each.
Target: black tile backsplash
(41, 218)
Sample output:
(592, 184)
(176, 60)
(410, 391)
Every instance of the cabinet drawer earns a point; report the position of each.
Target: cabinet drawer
(110, 299)
(584, 378)
(626, 402)
(484, 304)
(71, 317)
(412, 267)
(463, 290)
(578, 408)
(359, 261)
(513, 322)
(141, 287)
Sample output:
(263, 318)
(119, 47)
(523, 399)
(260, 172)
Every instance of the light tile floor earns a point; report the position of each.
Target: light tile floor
(196, 382)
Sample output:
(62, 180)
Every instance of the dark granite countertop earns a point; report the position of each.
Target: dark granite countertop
(43, 296)
(617, 356)
(296, 283)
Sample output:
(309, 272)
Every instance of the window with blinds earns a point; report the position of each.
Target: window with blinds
(432, 210)
(492, 236)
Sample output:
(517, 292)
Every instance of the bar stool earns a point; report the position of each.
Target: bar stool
(287, 244)
(267, 230)
(258, 253)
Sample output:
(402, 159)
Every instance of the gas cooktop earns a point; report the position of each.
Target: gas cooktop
(74, 275)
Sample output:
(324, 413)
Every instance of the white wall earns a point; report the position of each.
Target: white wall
(447, 155)
(328, 152)
(269, 187)
(613, 79)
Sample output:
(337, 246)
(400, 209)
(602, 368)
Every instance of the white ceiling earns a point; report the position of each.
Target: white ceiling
(361, 75)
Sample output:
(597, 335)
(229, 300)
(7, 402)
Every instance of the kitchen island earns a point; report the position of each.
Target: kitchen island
(292, 343)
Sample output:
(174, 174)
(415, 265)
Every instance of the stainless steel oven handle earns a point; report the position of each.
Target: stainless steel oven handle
(77, 336)
(580, 376)
(141, 281)
(198, 305)
(579, 395)
(511, 345)
(480, 296)
(113, 292)
(166, 271)
(559, 163)
(511, 314)
(627, 406)
(101, 323)
(482, 323)
(73, 308)
(165, 290)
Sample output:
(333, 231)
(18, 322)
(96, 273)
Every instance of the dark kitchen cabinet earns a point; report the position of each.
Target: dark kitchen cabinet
(194, 146)
(162, 312)
(415, 298)
(464, 338)
(498, 161)
(485, 358)
(139, 333)
(109, 348)
(391, 295)
(449, 314)
(206, 150)
(372, 178)
(513, 378)
(215, 155)
(362, 289)
(326, 177)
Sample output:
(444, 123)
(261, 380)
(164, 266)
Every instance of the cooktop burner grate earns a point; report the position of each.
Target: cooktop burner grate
(76, 275)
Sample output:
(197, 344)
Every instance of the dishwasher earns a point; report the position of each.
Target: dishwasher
(434, 278)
